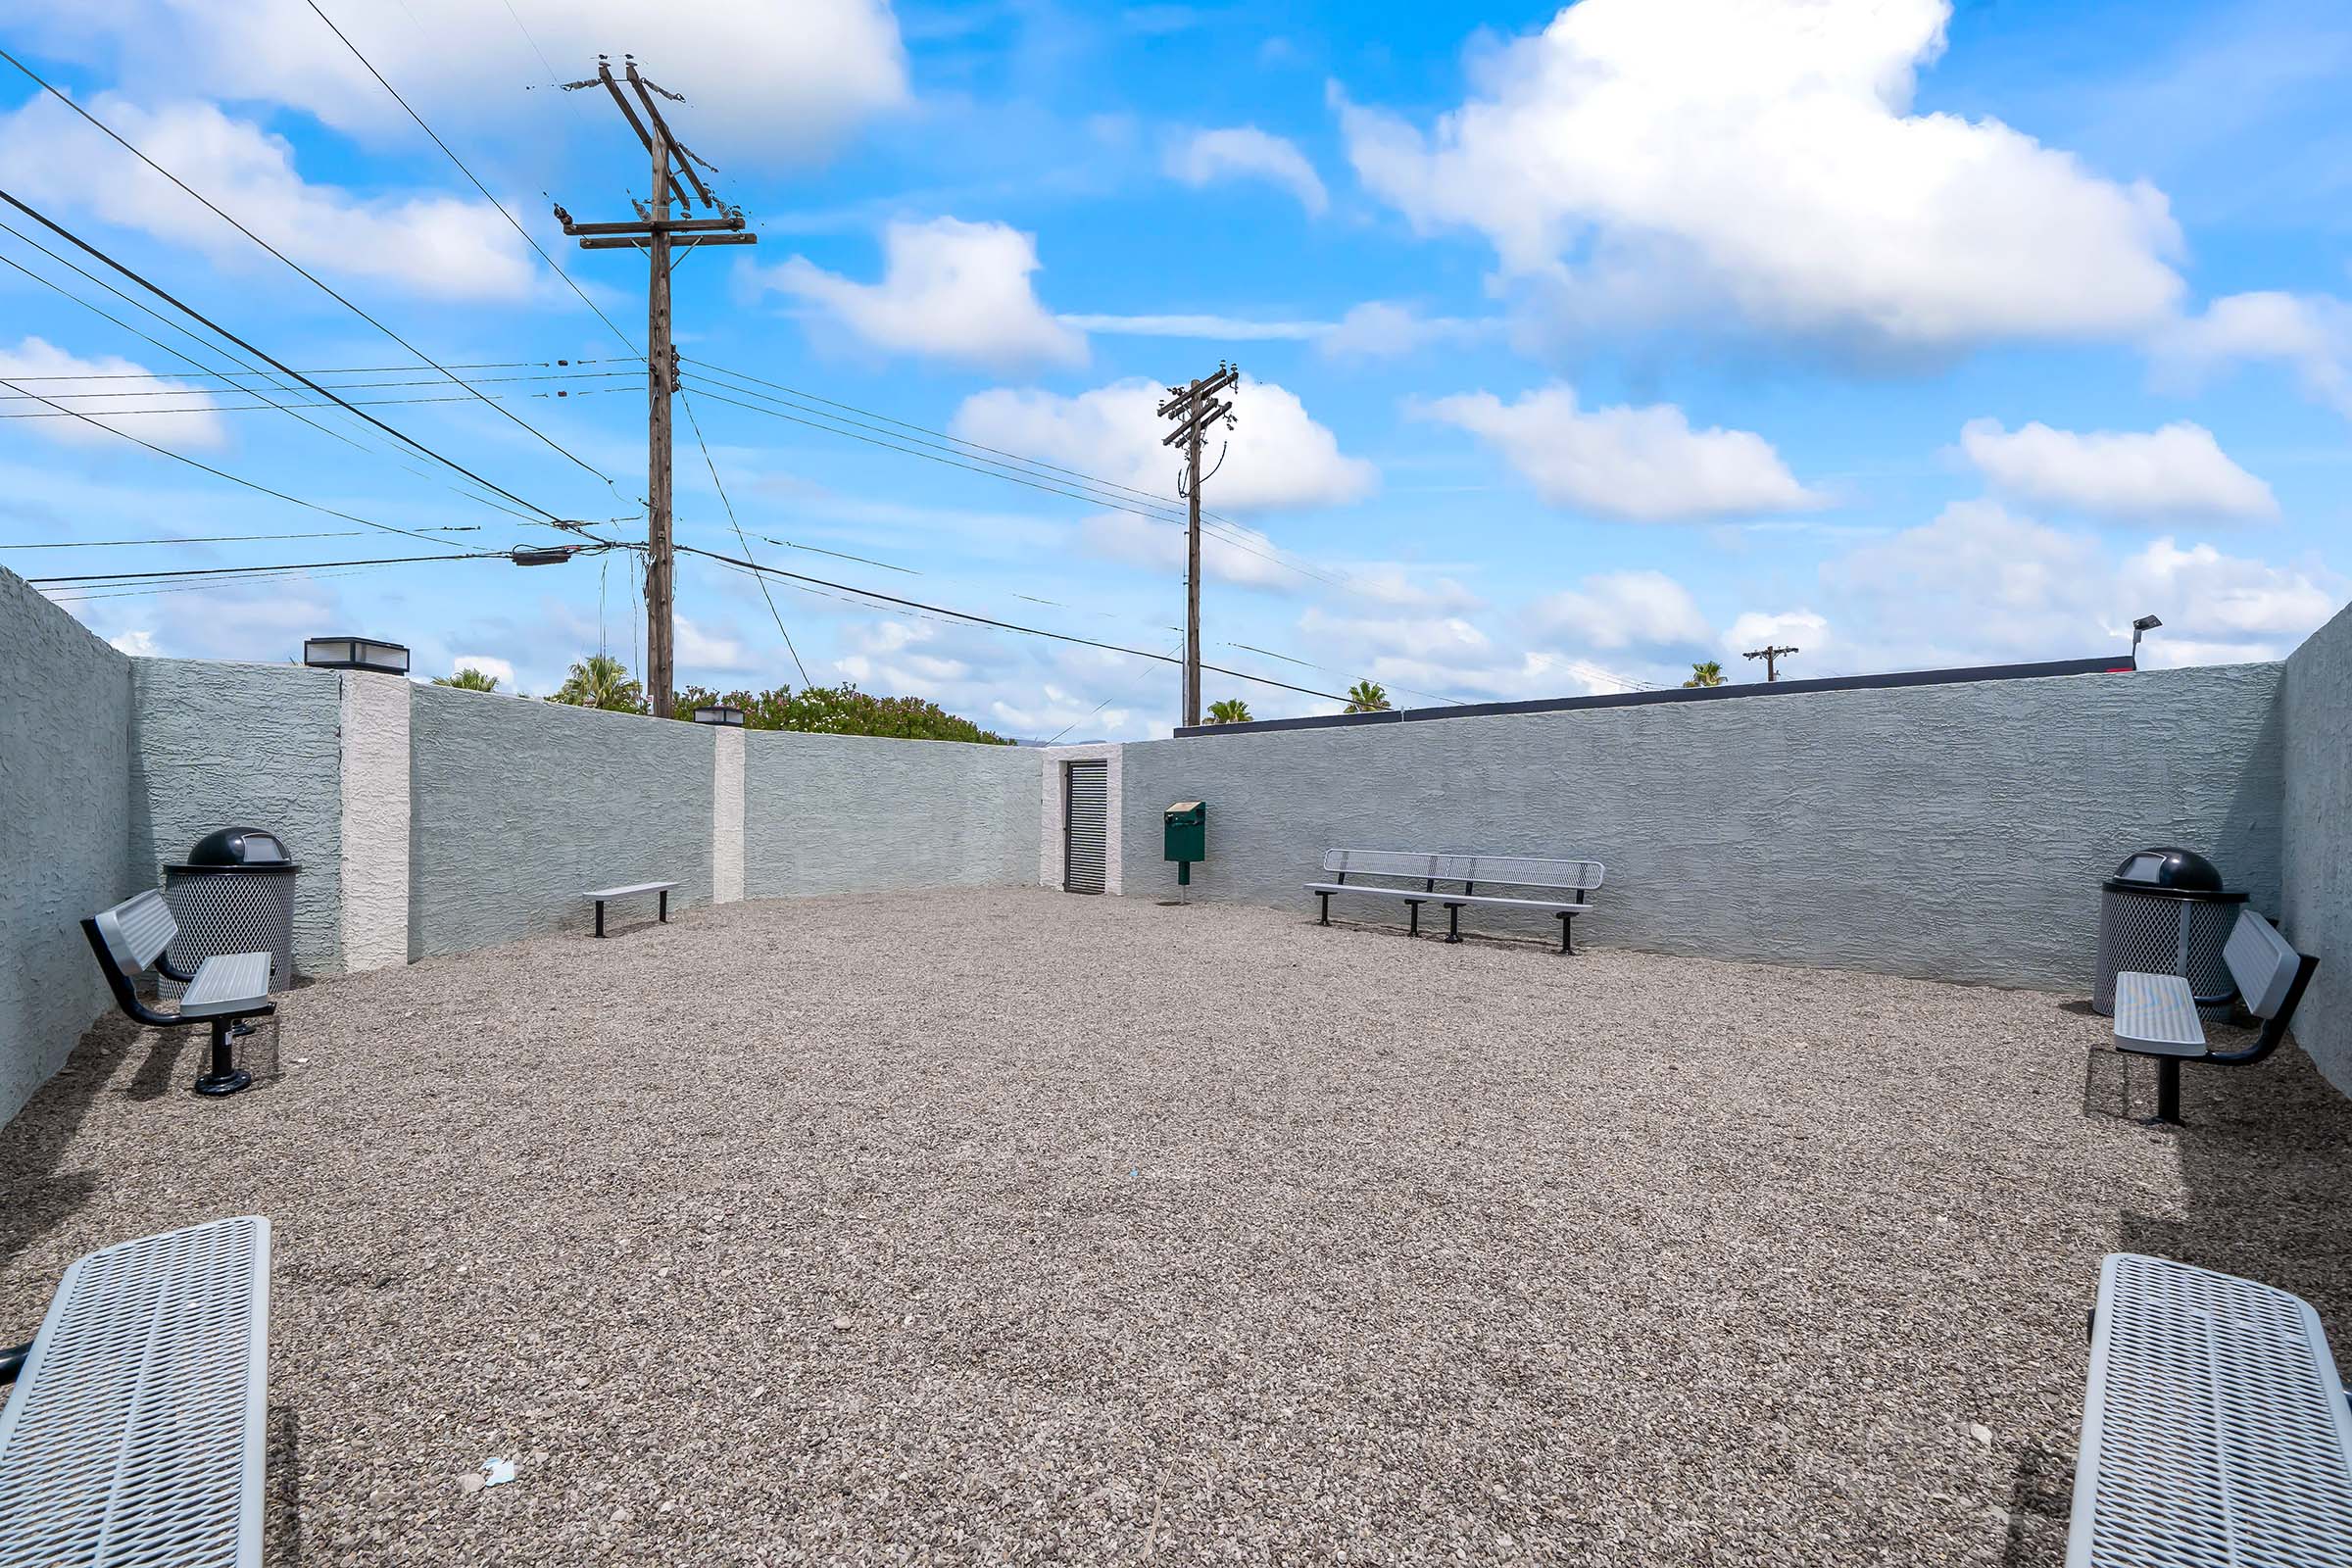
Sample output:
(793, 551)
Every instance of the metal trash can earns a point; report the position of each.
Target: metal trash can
(2165, 911)
(233, 894)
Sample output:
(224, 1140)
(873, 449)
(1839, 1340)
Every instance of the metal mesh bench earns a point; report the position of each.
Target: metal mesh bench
(2156, 1015)
(599, 895)
(2215, 1430)
(135, 1431)
(1576, 879)
(132, 937)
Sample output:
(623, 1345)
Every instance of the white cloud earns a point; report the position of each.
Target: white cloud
(139, 643)
(1207, 329)
(1982, 584)
(1686, 154)
(950, 289)
(897, 658)
(1805, 631)
(772, 80)
(1645, 465)
(1277, 455)
(2310, 333)
(76, 383)
(1380, 330)
(2175, 472)
(699, 648)
(1228, 552)
(1245, 152)
(434, 245)
(1624, 608)
(497, 669)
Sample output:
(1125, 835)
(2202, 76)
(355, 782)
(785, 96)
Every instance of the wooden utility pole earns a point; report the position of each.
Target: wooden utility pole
(652, 232)
(1195, 407)
(1772, 657)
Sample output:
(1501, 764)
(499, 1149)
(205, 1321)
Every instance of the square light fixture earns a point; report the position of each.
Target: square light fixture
(719, 714)
(355, 653)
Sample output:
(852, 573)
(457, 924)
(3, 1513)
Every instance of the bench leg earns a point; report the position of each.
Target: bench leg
(2168, 1092)
(1414, 929)
(1326, 920)
(1567, 924)
(666, 905)
(225, 1078)
(1453, 922)
(599, 917)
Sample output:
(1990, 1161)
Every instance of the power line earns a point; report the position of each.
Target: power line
(312, 277)
(1005, 625)
(208, 348)
(208, 539)
(467, 172)
(843, 555)
(234, 571)
(340, 386)
(77, 240)
(222, 474)
(346, 369)
(697, 426)
(287, 407)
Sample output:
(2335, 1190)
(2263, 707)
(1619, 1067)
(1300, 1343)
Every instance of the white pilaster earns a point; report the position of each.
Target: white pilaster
(726, 815)
(375, 821)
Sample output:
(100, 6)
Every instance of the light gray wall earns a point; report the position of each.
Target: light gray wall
(65, 730)
(217, 744)
(856, 813)
(1956, 832)
(518, 806)
(2317, 839)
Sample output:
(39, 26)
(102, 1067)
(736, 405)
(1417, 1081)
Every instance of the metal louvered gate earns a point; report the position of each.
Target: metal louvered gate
(1085, 826)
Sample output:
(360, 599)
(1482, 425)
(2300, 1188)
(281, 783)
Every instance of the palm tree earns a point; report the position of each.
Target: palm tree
(469, 679)
(602, 681)
(1368, 696)
(1709, 673)
(1232, 710)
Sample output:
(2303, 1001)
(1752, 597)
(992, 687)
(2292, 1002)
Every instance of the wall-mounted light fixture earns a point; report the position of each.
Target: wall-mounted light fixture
(2141, 629)
(719, 714)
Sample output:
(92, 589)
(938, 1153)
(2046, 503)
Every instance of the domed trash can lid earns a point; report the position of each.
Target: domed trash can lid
(239, 849)
(2169, 869)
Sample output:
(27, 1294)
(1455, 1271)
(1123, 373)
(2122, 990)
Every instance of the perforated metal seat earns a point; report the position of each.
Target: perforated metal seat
(135, 936)
(2156, 1015)
(1577, 878)
(2214, 1432)
(135, 1432)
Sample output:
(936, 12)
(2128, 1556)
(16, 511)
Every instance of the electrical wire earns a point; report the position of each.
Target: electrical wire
(209, 539)
(697, 426)
(340, 386)
(345, 370)
(222, 474)
(85, 245)
(236, 572)
(309, 276)
(1005, 625)
(467, 172)
(256, 408)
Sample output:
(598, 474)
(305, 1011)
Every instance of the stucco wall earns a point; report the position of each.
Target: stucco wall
(64, 731)
(852, 813)
(516, 807)
(217, 744)
(2317, 838)
(1955, 832)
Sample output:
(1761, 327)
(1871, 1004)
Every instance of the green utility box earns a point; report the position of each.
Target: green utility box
(1185, 838)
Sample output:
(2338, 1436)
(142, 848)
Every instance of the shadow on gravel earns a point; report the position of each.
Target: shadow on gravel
(2040, 1501)
(282, 1511)
(36, 1142)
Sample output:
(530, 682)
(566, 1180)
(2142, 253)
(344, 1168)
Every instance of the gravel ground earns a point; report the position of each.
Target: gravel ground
(1014, 1227)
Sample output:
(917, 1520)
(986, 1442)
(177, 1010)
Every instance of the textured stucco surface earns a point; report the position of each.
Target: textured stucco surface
(855, 813)
(375, 821)
(516, 807)
(726, 817)
(1052, 848)
(2317, 838)
(219, 745)
(65, 730)
(1953, 832)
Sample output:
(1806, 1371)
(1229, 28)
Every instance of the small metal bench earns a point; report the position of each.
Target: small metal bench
(135, 1431)
(2156, 1015)
(2215, 1430)
(599, 895)
(1577, 877)
(132, 937)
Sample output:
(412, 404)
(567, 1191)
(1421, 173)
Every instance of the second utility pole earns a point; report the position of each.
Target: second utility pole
(1194, 407)
(653, 232)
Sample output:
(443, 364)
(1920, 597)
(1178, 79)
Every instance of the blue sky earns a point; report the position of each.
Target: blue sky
(1581, 344)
